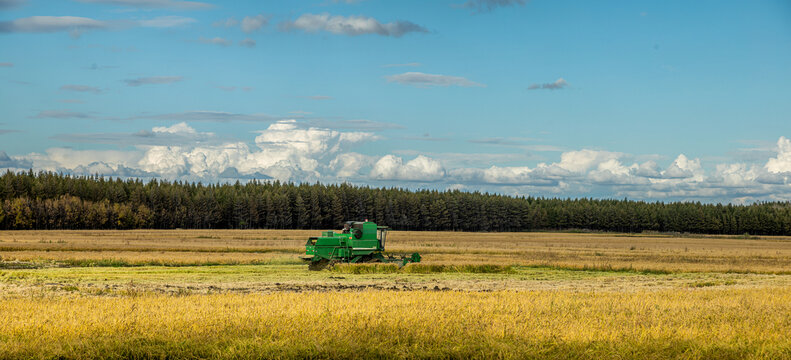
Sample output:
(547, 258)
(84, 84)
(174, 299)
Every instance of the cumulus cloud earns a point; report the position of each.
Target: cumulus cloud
(556, 85)
(421, 168)
(514, 175)
(303, 151)
(253, 23)
(781, 163)
(425, 80)
(81, 88)
(153, 80)
(481, 6)
(584, 160)
(350, 25)
(216, 41)
(11, 163)
(154, 4)
(349, 165)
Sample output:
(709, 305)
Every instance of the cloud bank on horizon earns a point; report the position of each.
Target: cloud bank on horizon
(506, 96)
(290, 150)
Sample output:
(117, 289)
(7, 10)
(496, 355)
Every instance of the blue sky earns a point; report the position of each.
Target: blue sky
(671, 100)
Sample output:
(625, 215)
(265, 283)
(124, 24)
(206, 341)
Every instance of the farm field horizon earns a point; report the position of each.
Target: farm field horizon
(244, 293)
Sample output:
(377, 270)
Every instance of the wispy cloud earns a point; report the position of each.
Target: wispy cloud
(482, 6)
(175, 135)
(166, 22)
(76, 25)
(212, 116)
(320, 97)
(359, 124)
(71, 101)
(7, 4)
(248, 42)
(556, 85)
(62, 114)
(154, 4)
(412, 64)
(6, 64)
(425, 80)
(215, 41)
(248, 24)
(49, 24)
(153, 80)
(81, 88)
(8, 131)
(350, 25)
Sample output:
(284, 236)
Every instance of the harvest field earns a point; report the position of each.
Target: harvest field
(246, 294)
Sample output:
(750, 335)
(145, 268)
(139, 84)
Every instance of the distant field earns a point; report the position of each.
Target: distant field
(246, 294)
(566, 250)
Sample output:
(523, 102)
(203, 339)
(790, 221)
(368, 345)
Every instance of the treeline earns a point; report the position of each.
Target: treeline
(54, 201)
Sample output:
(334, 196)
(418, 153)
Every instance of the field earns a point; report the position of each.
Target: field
(246, 294)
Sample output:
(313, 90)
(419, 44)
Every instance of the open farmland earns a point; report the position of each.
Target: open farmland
(246, 294)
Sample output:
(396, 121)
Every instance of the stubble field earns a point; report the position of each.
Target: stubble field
(246, 294)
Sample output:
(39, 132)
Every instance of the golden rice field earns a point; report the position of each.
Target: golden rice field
(232, 294)
(567, 250)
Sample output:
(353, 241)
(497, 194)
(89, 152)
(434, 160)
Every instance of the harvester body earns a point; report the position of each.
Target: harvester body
(358, 242)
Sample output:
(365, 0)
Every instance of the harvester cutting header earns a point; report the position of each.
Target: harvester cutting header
(358, 242)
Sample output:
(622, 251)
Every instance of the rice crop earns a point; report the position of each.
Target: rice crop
(688, 324)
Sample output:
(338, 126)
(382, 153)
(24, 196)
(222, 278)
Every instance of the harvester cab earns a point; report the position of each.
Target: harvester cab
(358, 242)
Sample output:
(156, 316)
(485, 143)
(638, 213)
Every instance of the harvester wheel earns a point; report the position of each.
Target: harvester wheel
(318, 265)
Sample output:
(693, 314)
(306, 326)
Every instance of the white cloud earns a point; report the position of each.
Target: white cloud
(180, 128)
(583, 160)
(421, 168)
(348, 165)
(556, 85)
(683, 168)
(424, 80)
(514, 175)
(247, 42)
(350, 25)
(781, 163)
(216, 41)
(297, 151)
(253, 23)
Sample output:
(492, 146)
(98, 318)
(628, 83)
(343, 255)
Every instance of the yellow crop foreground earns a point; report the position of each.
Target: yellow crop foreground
(679, 323)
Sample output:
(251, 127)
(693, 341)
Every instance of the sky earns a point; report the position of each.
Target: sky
(645, 100)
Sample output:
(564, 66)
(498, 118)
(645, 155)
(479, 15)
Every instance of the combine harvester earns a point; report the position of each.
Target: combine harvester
(358, 242)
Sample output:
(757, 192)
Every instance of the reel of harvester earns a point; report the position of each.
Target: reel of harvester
(358, 242)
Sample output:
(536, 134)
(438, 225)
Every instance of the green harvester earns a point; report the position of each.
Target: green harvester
(358, 242)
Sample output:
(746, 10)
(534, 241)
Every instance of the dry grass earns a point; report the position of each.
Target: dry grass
(568, 250)
(476, 295)
(688, 324)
